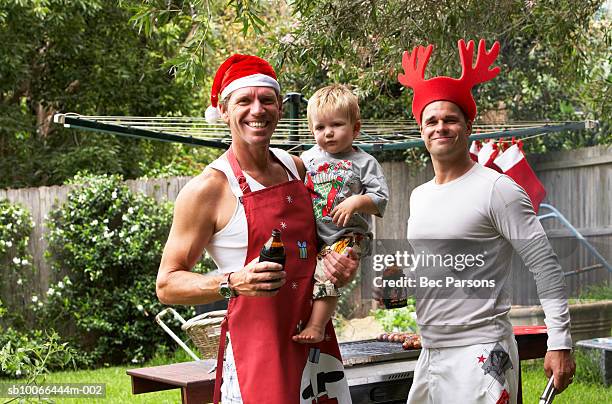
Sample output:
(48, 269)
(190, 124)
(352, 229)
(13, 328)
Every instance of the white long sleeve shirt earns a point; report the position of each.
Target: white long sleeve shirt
(489, 209)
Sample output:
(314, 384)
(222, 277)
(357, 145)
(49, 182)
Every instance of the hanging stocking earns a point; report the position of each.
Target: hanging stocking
(474, 149)
(514, 164)
(487, 155)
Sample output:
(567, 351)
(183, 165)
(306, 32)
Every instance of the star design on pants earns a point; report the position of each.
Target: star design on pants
(289, 199)
(481, 358)
(283, 225)
(294, 285)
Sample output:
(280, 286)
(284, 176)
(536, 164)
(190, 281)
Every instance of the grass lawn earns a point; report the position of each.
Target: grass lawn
(118, 384)
(118, 388)
(584, 390)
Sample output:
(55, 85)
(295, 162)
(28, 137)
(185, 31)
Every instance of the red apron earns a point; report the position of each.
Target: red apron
(271, 367)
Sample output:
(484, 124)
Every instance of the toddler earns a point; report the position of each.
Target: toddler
(348, 186)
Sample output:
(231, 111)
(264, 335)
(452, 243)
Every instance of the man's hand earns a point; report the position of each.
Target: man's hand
(344, 211)
(258, 279)
(341, 269)
(561, 365)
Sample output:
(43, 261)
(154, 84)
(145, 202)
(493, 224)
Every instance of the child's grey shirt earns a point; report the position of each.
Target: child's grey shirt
(334, 178)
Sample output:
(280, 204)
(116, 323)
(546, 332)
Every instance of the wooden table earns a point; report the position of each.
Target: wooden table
(192, 378)
(197, 384)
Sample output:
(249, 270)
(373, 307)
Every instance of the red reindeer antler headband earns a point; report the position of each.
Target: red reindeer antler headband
(458, 91)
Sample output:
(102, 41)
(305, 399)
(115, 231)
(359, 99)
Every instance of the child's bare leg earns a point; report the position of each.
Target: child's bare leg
(322, 310)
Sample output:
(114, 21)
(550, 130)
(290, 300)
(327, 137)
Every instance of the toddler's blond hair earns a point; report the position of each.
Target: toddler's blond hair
(333, 99)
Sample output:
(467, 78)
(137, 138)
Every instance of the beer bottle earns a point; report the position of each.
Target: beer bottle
(273, 250)
(393, 296)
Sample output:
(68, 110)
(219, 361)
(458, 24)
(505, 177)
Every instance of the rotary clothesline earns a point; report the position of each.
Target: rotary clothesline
(293, 134)
(376, 135)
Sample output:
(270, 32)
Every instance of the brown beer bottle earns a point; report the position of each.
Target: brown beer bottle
(394, 297)
(273, 250)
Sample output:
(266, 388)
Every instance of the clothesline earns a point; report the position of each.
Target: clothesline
(293, 134)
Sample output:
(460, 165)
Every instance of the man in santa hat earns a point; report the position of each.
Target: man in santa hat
(469, 352)
(231, 210)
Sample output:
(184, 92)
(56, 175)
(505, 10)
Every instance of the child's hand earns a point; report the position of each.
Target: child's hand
(344, 211)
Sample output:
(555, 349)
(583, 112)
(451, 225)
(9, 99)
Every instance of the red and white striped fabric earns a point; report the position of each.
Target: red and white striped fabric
(513, 163)
(487, 155)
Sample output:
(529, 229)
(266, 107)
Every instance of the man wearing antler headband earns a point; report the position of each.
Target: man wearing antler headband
(469, 352)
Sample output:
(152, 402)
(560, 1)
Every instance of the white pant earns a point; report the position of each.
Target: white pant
(230, 389)
(473, 374)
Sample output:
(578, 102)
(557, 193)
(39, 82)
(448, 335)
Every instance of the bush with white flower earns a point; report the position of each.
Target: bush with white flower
(24, 352)
(15, 260)
(107, 242)
(15, 228)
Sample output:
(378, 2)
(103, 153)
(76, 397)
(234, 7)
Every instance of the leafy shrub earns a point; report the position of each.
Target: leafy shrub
(601, 291)
(15, 227)
(107, 241)
(396, 320)
(32, 354)
(23, 354)
(345, 306)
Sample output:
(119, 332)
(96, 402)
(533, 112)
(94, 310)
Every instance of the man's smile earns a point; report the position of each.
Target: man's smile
(257, 124)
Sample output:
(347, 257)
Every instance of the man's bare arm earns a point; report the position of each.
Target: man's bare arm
(195, 215)
(198, 214)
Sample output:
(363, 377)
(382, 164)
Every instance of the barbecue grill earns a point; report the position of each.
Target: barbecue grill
(378, 372)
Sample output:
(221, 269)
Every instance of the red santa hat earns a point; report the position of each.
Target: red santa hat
(442, 88)
(239, 71)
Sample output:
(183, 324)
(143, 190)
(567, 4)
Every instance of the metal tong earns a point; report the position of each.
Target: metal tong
(549, 392)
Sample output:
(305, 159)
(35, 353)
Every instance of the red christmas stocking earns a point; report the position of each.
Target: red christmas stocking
(487, 155)
(514, 164)
(474, 149)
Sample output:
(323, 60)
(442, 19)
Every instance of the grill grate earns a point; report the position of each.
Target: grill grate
(372, 351)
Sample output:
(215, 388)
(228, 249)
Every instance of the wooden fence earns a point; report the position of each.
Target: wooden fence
(578, 182)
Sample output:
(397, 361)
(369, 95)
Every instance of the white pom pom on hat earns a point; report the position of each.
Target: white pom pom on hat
(239, 71)
(212, 114)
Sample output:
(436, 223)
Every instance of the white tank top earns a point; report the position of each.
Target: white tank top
(228, 246)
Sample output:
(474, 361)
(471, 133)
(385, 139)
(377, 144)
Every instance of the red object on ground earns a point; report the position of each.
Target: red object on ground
(529, 329)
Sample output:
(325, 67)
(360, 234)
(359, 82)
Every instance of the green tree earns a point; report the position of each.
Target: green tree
(554, 56)
(210, 31)
(86, 57)
(361, 42)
